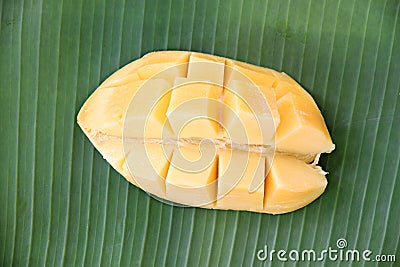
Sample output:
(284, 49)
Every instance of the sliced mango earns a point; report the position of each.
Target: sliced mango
(250, 114)
(239, 71)
(193, 110)
(206, 68)
(149, 163)
(292, 184)
(146, 115)
(236, 171)
(301, 120)
(211, 132)
(191, 184)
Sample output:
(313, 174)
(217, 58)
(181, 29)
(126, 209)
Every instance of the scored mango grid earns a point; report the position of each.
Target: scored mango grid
(102, 115)
(216, 158)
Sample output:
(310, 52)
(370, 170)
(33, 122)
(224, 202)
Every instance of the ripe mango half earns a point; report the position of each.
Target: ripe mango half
(206, 131)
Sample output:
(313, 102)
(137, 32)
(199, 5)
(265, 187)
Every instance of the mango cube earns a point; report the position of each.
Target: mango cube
(191, 186)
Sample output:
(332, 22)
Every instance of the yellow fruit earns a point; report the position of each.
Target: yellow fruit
(210, 132)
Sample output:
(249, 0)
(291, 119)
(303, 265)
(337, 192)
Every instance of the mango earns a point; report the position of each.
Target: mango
(210, 132)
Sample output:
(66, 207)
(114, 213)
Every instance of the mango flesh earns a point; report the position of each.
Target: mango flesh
(189, 186)
(233, 193)
(179, 113)
(150, 121)
(290, 188)
(260, 120)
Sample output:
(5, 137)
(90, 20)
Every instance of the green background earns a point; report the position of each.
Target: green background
(61, 203)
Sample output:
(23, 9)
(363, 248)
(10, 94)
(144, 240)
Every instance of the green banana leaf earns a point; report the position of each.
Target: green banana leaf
(62, 204)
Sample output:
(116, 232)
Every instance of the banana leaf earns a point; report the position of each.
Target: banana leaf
(62, 204)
